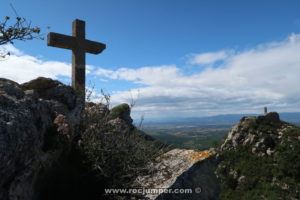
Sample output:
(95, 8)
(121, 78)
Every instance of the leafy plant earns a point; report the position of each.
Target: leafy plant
(21, 29)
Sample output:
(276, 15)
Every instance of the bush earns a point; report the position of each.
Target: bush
(113, 149)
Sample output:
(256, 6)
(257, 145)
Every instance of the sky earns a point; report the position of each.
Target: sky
(172, 58)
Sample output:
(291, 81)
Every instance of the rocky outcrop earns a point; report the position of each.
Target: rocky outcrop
(259, 159)
(117, 119)
(262, 133)
(177, 170)
(37, 123)
(121, 111)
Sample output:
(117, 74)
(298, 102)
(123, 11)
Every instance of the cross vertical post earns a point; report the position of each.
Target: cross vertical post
(78, 58)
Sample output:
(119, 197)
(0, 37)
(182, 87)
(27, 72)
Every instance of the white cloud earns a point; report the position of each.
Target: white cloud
(246, 82)
(21, 67)
(11, 49)
(209, 58)
(144, 75)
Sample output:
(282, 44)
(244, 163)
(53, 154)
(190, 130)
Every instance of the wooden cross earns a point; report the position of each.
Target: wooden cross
(79, 46)
(266, 110)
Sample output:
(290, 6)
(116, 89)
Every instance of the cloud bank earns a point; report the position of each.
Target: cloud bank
(266, 75)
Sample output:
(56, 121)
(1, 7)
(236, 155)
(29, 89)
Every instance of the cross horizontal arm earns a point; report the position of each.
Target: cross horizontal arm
(72, 43)
(93, 47)
(61, 41)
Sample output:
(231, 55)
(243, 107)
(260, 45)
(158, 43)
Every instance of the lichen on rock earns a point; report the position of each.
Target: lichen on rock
(181, 169)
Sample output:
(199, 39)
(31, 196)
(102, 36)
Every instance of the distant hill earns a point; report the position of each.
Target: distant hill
(228, 119)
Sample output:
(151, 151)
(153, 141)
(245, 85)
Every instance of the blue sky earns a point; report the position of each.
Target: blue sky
(177, 58)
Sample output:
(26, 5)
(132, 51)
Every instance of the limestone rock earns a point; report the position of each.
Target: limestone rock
(120, 126)
(249, 131)
(28, 135)
(49, 89)
(269, 152)
(182, 169)
(121, 111)
(272, 117)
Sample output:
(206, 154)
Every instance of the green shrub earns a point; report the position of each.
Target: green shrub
(115, 151)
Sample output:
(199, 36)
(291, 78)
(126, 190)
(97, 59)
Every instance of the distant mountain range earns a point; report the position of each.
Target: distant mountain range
(228, 119)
